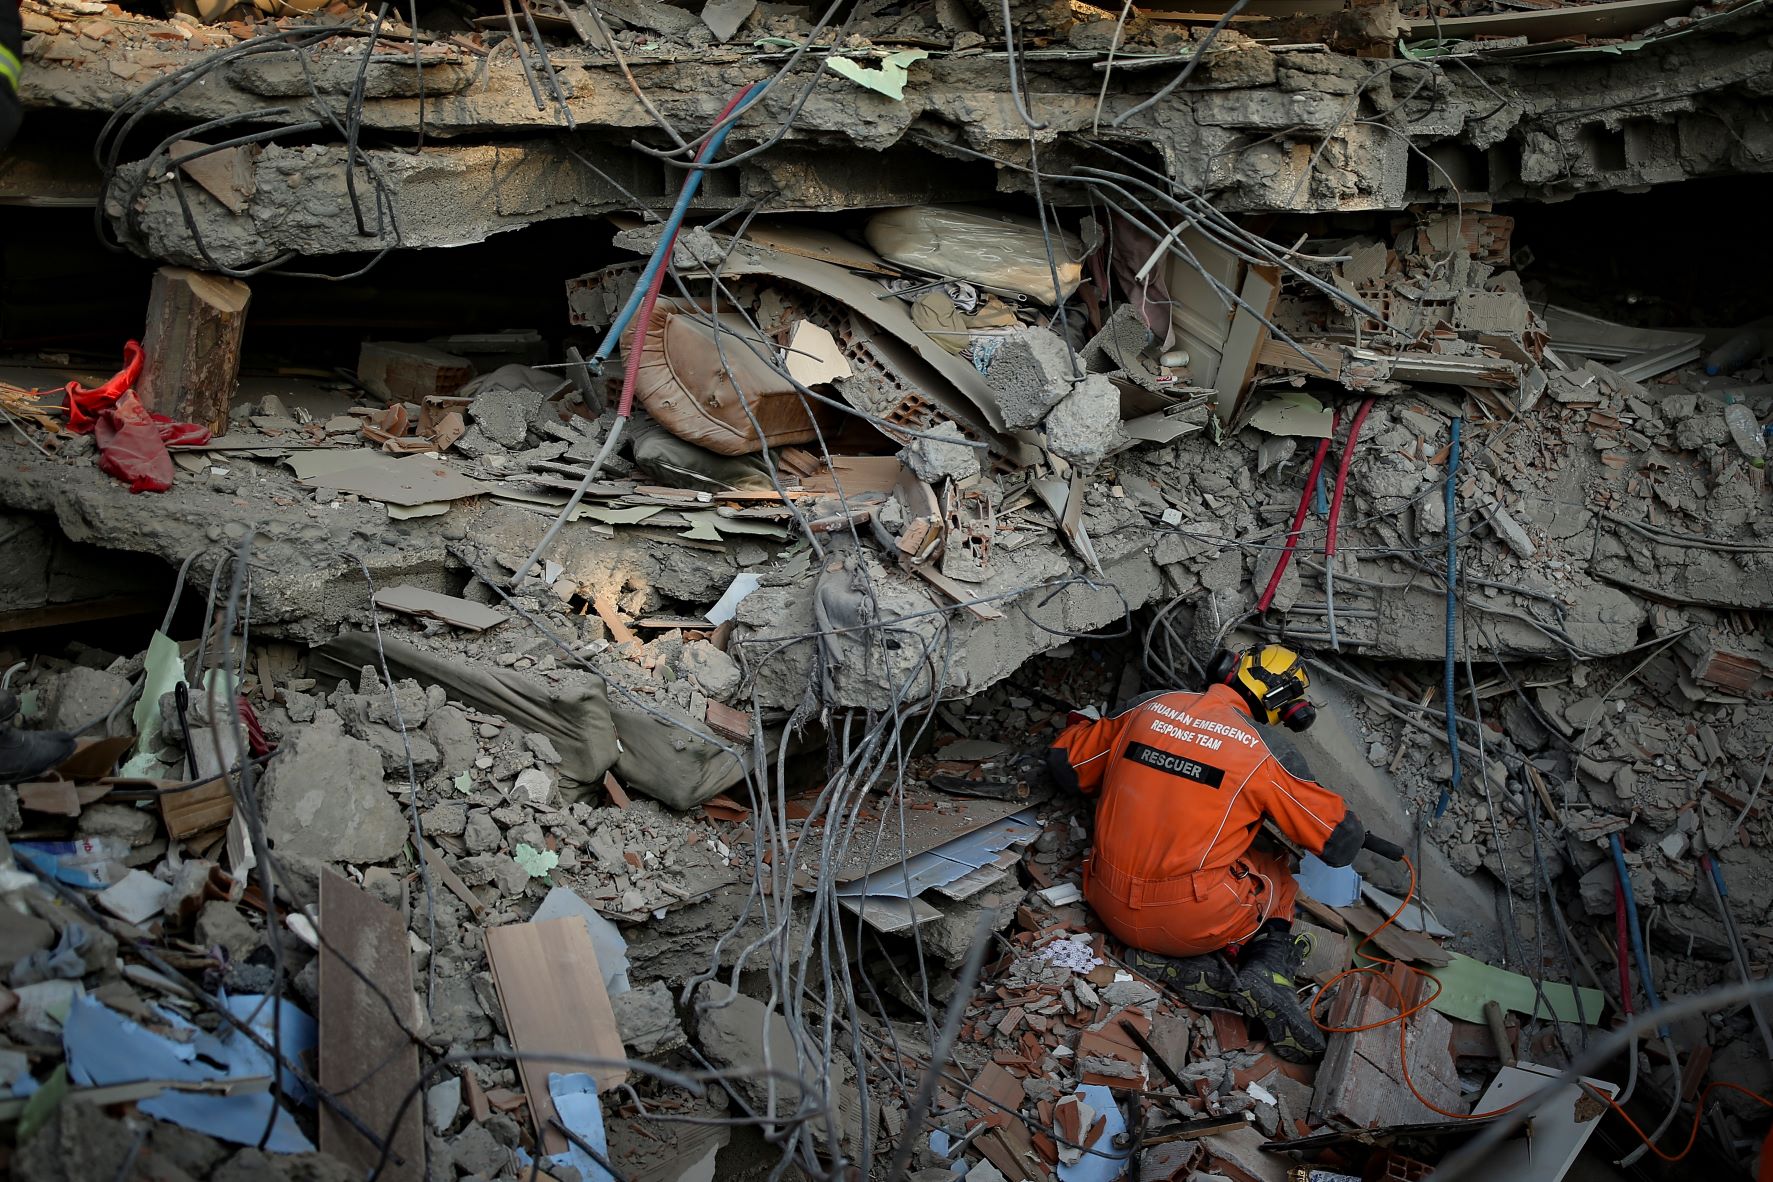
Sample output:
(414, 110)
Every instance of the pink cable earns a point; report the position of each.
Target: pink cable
(1354, 434)
(1280, 568)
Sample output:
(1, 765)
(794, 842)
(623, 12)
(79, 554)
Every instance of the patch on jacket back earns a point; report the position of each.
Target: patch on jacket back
(1175, 765)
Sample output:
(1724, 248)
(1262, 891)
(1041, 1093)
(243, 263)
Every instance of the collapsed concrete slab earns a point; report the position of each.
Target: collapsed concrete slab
(1295, 128)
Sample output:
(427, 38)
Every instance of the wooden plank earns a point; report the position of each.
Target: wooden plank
(1393, 941)
(364, 1054)
(554, 1000)
(1281, 355)
(857, 474)
(57, 614)
(1243, 344)
(1361, 1081)
(1621, 18)
(604, 604)
(435, 863)
(197, 810)
(192, 343)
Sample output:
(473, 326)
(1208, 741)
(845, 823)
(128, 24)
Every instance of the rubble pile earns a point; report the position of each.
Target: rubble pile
(616, 747)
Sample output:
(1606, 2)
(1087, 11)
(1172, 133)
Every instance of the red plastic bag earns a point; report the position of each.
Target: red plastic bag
(132, 441)
(85, 406)
(130, 446)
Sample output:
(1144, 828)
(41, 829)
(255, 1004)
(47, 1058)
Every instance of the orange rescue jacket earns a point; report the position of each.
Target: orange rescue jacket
(1185, 780)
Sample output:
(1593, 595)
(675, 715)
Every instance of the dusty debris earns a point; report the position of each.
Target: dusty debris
(667, 690)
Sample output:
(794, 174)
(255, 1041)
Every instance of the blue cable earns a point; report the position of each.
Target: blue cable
(672, 223)
(1637, 933)
(1440, 807)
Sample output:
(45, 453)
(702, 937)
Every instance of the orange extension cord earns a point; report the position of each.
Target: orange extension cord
(1379, 969)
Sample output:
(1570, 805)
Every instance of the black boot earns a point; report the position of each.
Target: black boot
(25, 755)
(1267, 991)
(1205, 982)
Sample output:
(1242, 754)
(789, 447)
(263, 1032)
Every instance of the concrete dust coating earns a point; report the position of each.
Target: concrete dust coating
(701, 786)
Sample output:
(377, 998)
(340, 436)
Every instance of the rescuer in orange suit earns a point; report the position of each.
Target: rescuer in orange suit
(1185, 781)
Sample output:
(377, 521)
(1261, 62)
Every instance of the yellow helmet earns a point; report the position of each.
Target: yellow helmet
(1272, 680)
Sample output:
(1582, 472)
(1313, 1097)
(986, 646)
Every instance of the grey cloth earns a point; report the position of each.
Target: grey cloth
(684, 465)
(670, 764)
(577, 718)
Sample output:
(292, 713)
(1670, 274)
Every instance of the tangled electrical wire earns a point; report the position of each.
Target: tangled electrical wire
(871, 689)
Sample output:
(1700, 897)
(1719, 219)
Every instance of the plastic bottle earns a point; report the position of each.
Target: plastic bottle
(1738, 351)
(1745, 429)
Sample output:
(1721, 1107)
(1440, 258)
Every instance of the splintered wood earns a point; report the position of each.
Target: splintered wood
(1361, 1083)
(366, 1058)
(197, 809)
(554, 1000)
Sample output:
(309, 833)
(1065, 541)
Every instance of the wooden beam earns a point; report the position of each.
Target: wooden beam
(365, 1056)
(54, 615)
(195, 323)
(1281, 355)
(1621, 18)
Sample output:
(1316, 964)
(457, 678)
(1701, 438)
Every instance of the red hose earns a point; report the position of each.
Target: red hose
(631, 370)
(1354, 435)
(1280, 568)
(1624, 946)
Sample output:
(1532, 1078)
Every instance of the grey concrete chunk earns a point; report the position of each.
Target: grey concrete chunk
(449, 729)
(647, 1020)
(936, 459)
(717, 673)
(1031, 373)
(79, 695)
(504, 415)
(324, 798)
(1085, 424)
(393, 752)
(221, 924)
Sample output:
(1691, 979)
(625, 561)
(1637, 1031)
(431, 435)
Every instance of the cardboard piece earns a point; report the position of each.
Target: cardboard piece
(56, 797)
(1293, 412)
(409, 480)
(94, 758)
(451, 609)
(813, 355)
